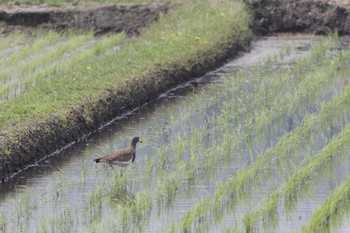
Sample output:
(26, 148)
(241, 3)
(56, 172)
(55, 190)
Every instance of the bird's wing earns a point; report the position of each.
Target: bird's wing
(122, 156)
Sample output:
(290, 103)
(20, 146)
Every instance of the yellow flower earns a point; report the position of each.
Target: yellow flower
(198, 38)
(88, 67)
(222, 14)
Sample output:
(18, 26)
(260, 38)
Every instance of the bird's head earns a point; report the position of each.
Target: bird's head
(135, 140)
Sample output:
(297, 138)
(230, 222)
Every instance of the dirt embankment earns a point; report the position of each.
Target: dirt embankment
(129, 18)
(319, 17)
(29, 144)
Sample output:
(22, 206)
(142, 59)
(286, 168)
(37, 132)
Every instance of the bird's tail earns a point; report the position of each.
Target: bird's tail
(97, 160)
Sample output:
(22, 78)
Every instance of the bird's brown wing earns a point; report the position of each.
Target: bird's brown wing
(122, 156)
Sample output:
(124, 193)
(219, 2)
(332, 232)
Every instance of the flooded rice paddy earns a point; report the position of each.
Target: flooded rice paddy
(258, 145)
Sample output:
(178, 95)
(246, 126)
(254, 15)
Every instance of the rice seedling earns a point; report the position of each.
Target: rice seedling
(23, 227)
(94, 209)
(142, 205)
(167, 188)
(118, 184)
(125, 218)
(332, 210)
(25, 205)
(43, 226)
(3, 221)
(60, 190)
(286, 50)
(295, 181)
(231, 230)
(83, 171)
(62, 221)
(150, 164)
(163, 152)
(196, 214)
(133, 210)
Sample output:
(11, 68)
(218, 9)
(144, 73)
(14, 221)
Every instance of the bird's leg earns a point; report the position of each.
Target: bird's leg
(111, 166)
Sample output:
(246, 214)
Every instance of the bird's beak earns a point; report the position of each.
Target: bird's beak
(140, 141)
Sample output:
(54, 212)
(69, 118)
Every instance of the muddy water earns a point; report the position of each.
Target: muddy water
(57, 191)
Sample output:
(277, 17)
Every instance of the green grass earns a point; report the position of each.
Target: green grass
(33, 69)
(47, 61)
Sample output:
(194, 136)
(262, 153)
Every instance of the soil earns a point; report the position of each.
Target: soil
(129, 18)
(307, 16)
(26, 145)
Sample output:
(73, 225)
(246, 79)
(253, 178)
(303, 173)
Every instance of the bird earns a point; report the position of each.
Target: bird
(121, 158)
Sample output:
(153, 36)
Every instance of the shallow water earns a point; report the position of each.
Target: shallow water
(57, 191)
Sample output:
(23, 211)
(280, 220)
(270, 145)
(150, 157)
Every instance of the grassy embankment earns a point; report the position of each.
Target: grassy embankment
(79, 84)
